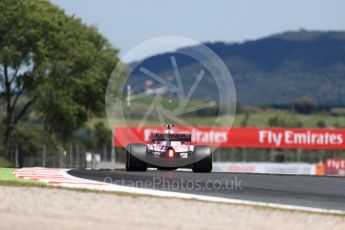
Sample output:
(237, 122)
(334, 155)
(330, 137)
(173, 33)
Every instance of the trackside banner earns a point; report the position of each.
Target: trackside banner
(242, 137)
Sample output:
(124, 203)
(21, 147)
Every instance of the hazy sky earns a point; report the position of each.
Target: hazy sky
(127, 22)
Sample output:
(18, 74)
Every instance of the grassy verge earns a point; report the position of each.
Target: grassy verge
(259, 118)
(7, 178)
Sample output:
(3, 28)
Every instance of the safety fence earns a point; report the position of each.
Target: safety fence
(81, 158)
(229, 145)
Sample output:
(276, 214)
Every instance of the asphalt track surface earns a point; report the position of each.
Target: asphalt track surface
(306, 191)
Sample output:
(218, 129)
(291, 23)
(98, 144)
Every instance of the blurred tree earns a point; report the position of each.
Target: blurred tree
(31, 140)
(102, 136)
(337, 112)
(304, 105)
(244, 122)
(336, 125)
(52, 63)
(297, 124)
(276, 122)
(239, 108)
(321, 124)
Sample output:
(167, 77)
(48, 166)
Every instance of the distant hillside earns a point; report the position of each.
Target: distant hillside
(271, 70)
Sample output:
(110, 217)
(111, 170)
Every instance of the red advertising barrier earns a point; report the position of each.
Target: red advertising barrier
(243, 137)
(334, 167)
(334, 164)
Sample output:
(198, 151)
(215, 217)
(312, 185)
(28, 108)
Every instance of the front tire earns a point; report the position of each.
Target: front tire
(133, 163)
(205, 164)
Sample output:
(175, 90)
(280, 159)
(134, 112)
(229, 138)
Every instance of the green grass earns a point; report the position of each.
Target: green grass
(258, 118)
(7, 178)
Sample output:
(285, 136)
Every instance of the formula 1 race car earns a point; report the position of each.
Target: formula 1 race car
(169, 151)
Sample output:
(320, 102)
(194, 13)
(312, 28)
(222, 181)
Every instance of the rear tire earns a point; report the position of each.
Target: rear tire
(133, 163)
(205, 164)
